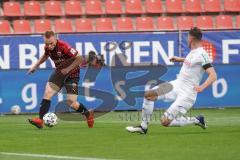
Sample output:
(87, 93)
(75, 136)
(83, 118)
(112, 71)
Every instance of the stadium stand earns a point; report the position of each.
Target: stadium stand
(232, 5)
(83, 25)
(42, 25)
(5, 27)
(144, 24)
(104, 25)
(12, 9)
(94, 7)
(124, 24)
(165, 23)
(224, 22)
(73, 8)
(53, 8)
(184, 22)
(113, 7)
(205, 22)
(193, 6)
(63, 25)
(154, 6)
(119, 15)
(212, 6)
(134, 7)
(174, 6)
(22, 27)
(238, 22)
(32, 8)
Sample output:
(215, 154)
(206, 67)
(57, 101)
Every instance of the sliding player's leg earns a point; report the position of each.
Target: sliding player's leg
(175, 115)
(156, 93)
(71, 86)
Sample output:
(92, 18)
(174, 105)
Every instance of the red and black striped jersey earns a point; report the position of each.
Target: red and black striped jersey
(62, 56)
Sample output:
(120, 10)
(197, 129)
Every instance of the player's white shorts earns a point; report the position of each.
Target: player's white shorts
(182, 96)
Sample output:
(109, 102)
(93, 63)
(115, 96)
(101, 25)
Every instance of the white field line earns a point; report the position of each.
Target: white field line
(49, 156)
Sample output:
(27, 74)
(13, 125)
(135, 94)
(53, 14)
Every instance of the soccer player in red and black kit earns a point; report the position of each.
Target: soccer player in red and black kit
(67, 61)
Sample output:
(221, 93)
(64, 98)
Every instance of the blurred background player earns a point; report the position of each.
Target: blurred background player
(185, 88)
(94, 60)
(67, 61)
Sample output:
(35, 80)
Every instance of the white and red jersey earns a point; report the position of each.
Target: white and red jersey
(194, 66)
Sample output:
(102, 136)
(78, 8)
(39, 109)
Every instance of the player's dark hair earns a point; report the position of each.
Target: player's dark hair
(49, 34)
(196, 33)
(92, 53)
(91, 56)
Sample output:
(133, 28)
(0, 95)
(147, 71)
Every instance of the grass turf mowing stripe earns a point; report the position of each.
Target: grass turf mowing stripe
(49, 156)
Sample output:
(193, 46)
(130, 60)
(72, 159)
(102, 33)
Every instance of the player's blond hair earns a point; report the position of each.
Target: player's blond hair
(49, 34)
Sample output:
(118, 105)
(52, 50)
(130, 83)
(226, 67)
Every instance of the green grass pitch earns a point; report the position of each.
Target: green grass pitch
(109, 140)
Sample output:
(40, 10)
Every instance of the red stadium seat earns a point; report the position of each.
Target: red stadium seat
(165, 23)
(42, 25)
(174, 6)
(22, 27)
(193, 6)
(5, 27)
(12, 9)
(32, 8)
(53, 8)
(104, 25)
(113, 7)
(212, 6)
(133, 7)
(184, 22)
(224, 22)
(73, 8)
(93, 7)
(63, 25)
(124, 24)
(232, 5)
(154, 6)
(238, 21)
(144, 24)
(205, 22)
(83, 25)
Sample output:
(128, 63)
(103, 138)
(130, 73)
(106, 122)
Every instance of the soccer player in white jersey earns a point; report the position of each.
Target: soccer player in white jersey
(185, 88)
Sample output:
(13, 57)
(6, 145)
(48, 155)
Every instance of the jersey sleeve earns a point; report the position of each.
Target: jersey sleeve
(205, 60)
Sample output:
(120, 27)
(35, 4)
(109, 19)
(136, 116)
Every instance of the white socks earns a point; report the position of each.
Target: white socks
(183, 121)
(147, 110)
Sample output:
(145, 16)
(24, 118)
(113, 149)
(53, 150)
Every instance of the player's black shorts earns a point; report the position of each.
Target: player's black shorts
(70, 84)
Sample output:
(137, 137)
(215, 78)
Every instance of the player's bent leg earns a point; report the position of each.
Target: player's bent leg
(183, 121)
(147, 110)
(166, 119)
(151, 95)
(50, 90)
(79, 107)
(174, 116)
(45, 104)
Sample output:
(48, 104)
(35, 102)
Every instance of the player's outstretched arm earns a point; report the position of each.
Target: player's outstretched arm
(39, 62)
(77, 61)
(177, 59)
(212, 76)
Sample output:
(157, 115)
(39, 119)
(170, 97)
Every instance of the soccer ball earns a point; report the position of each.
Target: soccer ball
(15, 109)
(50, 119)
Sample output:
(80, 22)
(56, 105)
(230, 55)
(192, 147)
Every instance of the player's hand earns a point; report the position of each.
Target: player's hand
(198, 89)
(65, 71)
(174, 59)
(31, 70)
